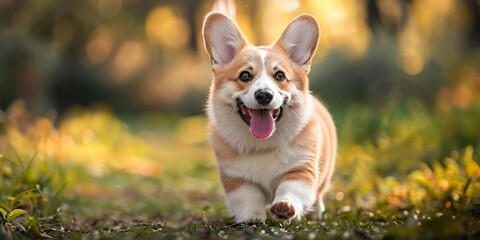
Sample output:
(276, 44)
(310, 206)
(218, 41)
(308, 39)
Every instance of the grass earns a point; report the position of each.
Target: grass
(408, 173)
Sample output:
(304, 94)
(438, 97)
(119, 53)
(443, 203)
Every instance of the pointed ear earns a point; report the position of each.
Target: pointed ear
(299, 40)
(223, 39)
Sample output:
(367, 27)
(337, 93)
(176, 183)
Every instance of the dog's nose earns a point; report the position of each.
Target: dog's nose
(264, 96)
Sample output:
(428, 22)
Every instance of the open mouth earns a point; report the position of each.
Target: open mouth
(261, 121)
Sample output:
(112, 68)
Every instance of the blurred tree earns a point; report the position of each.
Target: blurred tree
(473, 28)
(59, 53)
(388, 15)
(190, 8)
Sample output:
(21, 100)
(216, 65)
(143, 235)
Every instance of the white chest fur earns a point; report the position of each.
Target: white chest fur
(264, 169)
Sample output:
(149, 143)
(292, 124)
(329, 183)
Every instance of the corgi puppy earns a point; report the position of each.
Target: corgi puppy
(274, 142)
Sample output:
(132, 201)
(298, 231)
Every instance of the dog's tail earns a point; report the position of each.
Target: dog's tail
(226, 7)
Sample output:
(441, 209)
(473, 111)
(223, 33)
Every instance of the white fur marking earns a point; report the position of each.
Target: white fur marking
(263, 169)
(263, 55)
(298, 194)
(247, 203)
(233, 130)
(320, 208)
(261, 82)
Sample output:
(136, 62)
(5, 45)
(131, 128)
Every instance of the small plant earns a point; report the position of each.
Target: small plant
(10, 219)
(20, 209)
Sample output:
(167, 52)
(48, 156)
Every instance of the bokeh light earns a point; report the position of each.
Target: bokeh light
(287, 5)
(163, 26)
(110, 97)
(128, 60)
(101, 44)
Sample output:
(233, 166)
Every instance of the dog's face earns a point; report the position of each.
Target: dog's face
(260, 86)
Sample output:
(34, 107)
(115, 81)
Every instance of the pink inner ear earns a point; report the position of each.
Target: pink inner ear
(299, 40)
(300, 45)
(227, 55)
(223, 38)
(296, 55)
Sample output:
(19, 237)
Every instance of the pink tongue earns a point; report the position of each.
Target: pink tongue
(261, 123)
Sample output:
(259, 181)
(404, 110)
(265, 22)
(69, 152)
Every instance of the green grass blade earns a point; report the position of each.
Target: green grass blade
(5, 206)
(60, 190)
(18, 157)
(55, 197)
(30, 161)
(40, 190)
(16, 163)
(20, 194)
(14, 214)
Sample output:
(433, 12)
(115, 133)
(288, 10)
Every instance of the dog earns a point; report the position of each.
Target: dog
(274, 142)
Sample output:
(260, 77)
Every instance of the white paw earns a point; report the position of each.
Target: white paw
(254, 217)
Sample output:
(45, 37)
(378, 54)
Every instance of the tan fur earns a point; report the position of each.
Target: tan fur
(245, 59)
(222, 149)
(230, 183)
(329, 148)
(316, 138)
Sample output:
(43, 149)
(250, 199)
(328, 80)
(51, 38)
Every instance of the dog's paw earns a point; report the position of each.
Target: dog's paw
(283, 210)
(250, 218)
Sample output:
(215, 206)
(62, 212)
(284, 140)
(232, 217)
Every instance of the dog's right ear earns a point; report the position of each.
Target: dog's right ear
(223, 39)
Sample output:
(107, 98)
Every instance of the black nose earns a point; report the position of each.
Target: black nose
(264, 96)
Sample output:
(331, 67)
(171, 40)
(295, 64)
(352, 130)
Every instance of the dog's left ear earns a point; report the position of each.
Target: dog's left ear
(300, 39)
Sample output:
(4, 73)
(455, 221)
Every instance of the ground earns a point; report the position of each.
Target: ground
(98, 175)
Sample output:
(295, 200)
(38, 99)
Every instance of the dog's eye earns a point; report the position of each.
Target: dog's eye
(279, 76)
(245, 76)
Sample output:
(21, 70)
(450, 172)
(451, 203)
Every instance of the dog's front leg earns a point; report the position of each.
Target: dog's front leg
(245, 200)
(294, 196)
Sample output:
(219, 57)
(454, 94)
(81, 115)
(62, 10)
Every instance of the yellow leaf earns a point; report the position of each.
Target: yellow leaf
(470, 165)
(14, 214)
(419, 177)
(3, 213)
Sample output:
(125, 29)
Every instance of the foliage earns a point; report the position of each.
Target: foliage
(400, 77)
(18, 198)
(398, 159)
(388, 182)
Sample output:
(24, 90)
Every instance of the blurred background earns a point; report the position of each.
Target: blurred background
(148, 55)
(109, 95)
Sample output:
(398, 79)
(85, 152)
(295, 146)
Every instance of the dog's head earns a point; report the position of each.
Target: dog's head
(264, 85)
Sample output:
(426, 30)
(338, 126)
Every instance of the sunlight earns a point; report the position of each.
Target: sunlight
(391, 9)
(430, 16)
(101, 43)
(104, 131)
(462, 96)
(339, 196)
(164, 27)
(411, 61)
(128, 60)
(412, 52)
(287, 5)
(342, 26)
